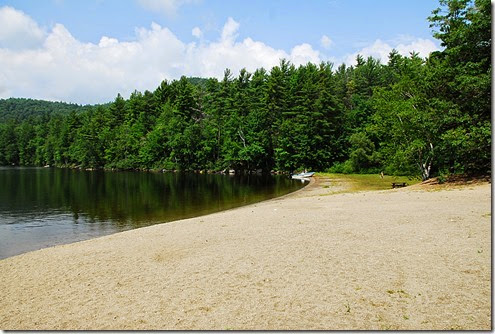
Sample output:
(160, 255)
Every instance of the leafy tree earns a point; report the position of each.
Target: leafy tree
(405, 122)
(26, 144)
(464, 69)
(8, 151)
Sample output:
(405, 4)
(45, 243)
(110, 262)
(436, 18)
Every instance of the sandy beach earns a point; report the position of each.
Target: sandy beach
(410, 258)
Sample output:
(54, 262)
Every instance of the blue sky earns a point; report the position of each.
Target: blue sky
(88, 51)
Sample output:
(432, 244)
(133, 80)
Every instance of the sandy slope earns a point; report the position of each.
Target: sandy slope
(398, 259)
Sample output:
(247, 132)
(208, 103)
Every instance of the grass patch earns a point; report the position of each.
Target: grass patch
(366, 182)
(401, 293)
(347, 308)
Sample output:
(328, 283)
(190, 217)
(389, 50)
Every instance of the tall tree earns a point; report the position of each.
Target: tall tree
(463, 70)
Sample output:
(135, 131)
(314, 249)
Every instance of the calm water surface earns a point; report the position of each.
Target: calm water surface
(42, 207)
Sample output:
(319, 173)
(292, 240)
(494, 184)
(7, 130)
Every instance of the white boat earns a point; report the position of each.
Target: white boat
(303, 176)
(302, 179)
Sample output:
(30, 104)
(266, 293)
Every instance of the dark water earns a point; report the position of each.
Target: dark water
(41, 207)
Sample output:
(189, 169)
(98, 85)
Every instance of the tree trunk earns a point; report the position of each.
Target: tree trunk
(425, 166)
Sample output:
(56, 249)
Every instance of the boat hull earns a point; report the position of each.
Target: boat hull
(301, 176)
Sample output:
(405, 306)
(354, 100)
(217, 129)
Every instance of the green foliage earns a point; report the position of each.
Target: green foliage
(20, 109)
(463, 73)
(362, 156)
(341, 168)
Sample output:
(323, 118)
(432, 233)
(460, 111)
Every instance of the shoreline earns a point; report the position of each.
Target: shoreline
(310, 184)
(394, 259)
(21, 243)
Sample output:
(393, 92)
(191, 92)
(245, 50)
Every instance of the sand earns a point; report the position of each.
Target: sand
(410, 258)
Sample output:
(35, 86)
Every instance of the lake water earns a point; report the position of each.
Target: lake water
(42, 207)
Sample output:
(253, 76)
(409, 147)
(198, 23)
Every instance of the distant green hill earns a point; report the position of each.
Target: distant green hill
(20, 108)
(197, 81)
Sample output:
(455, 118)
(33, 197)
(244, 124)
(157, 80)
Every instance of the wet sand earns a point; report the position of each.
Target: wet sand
(410, 258)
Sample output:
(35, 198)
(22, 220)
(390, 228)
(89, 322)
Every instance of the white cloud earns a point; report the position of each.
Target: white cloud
(210, 60)
(196, 32)
(18, 30)
(167, 7)
(229, 31)
(55, 65)
(61, 67)
(326, 42)
(304, 53)
(380, 49)
(422, 46)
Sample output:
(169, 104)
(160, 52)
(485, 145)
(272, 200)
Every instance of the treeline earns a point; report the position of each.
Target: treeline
(410, 116)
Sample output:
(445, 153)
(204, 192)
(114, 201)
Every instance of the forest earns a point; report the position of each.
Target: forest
(412, 116)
